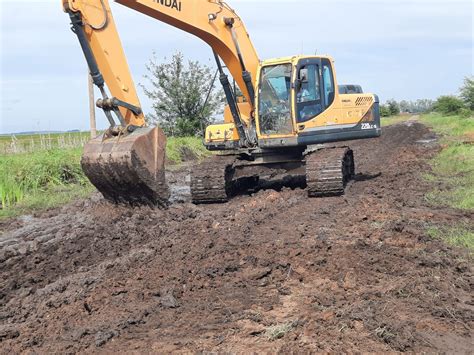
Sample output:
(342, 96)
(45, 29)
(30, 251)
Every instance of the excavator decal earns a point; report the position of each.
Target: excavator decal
(170, 3)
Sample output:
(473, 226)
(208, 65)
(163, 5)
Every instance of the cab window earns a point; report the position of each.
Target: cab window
(308, 97)
(328, 83)
(274, 105)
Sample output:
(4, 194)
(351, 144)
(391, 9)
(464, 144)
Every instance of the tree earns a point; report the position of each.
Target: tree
(449, 105)
(405, 106)
(467, 92)
(394, 107)
(384, 111)
(184, 96)
(422, 106)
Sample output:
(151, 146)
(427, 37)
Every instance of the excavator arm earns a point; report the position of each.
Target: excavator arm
(126, 164)
(216, 23)
(210, 20)
(94, 25)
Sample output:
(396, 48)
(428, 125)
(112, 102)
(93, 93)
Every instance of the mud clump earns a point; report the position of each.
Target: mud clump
(270, 272)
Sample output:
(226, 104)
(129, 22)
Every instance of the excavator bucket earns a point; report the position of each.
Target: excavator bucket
(129, 168)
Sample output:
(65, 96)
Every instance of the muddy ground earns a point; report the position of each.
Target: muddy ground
(274, 272)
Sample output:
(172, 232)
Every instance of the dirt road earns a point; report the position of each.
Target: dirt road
(270, 272)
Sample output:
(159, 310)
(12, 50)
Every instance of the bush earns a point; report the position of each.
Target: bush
(467, 93)
(465, 113)
(449, 105)
(393, 107)
(178, 147)
(384, 111)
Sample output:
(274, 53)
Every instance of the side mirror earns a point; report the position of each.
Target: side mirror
(302, 79)
(303, 75)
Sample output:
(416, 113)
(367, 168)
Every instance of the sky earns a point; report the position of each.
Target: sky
(405, 49)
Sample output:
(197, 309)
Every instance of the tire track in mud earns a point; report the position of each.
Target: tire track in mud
(351, 273)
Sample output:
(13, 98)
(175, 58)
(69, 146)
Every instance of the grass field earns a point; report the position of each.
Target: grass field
(41, 179)
(454, 165)
(386, 121)
(27, 143)
(452, 170)
(47, 178)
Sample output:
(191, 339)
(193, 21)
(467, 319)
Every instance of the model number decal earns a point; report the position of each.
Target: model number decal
(368, 126)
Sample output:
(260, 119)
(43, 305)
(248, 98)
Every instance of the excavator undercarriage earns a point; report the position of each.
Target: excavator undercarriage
(324, 171)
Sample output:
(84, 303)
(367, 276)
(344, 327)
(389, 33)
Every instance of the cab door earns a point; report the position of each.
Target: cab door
(309, 101)
(315, 88)
(274, 102)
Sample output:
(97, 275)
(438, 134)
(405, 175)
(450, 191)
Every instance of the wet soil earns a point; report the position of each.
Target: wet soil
(270, 272)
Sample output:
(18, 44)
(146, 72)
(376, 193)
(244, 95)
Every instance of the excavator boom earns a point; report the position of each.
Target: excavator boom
(214, 22)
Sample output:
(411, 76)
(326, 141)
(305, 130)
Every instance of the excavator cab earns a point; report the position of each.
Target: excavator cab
(297, 104)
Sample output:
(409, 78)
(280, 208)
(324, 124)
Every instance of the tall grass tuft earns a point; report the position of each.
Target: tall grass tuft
(26, 174)
(178, 147)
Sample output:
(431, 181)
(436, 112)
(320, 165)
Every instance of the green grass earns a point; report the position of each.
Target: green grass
(457, 236)
(52, 197)
(50, 178)
(453, 167)
(387, 121)
(26, 143)
(450, 126)
(177, 149)
(39, 179)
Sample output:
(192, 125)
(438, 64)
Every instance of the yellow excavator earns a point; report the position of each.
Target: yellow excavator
(274, 131)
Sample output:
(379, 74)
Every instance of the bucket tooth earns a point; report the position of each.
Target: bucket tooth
(129, 168)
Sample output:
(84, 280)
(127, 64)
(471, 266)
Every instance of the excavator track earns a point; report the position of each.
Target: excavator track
(211, 180)
(328, 171)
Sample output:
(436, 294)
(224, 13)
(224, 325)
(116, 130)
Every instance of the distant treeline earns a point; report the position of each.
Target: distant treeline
(462, 104)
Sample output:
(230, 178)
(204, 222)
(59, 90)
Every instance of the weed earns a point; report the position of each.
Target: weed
(279, 331)
(384, 333)
(24, 174)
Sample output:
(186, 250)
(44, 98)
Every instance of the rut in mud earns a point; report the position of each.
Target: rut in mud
(274, 271)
